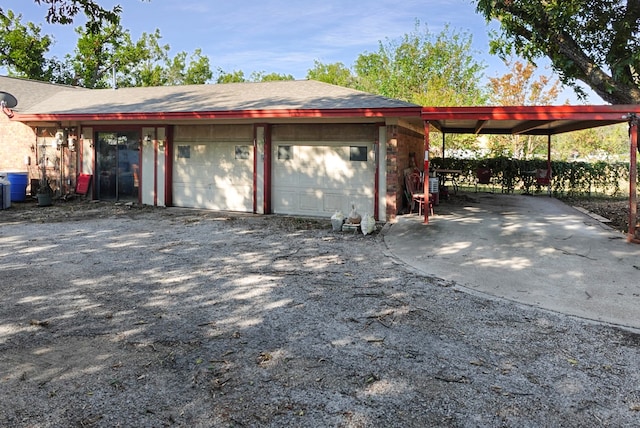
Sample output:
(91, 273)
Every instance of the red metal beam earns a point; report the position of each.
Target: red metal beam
(523, 113)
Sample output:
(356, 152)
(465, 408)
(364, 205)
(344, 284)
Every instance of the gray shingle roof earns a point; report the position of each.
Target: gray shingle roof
(42, 98)
(31, 92)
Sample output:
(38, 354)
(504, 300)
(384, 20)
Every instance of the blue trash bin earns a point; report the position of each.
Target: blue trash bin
(19, 182)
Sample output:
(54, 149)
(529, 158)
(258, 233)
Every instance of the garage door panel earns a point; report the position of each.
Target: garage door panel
(319, 179)
(309, 202)
(332, 202)
(210, 175)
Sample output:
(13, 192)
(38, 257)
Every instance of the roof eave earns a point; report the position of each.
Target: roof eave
(230, 114)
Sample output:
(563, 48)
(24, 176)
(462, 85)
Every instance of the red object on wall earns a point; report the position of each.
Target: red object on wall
(82, 185)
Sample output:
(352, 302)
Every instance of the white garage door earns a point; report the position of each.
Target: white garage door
(317, 179)
(213, 175)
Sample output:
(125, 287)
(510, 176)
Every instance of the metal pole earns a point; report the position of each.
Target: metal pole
(549, 164)
(426, 172)
(633, 177)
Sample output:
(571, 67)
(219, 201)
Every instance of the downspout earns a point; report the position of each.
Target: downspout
(426, 172)
(633, 177)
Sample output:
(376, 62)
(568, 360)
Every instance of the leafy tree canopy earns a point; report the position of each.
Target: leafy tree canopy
(261, 76)
(335, 74)
(66, 11)
(237, 76)
(424, 68)
(23, 47)
(518, 87)
(109, 53)
(593, 41)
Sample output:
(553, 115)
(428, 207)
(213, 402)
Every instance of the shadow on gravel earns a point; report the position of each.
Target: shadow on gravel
(129, 316)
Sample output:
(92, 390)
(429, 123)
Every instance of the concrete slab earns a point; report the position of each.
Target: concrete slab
(534, 250)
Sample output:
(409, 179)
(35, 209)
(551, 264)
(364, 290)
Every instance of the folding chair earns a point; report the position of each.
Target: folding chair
(543, 178)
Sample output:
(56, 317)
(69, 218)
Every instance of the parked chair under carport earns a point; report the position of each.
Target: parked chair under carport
(412, 182)
(543, 178)
(484, 176)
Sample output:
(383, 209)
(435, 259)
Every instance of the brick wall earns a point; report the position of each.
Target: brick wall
(17, 141)
(400, 143)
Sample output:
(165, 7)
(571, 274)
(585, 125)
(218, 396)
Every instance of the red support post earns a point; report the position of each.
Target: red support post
(633, 177)
(549, 164)
(427, 199)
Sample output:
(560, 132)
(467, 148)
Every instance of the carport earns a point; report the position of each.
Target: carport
(535, 120)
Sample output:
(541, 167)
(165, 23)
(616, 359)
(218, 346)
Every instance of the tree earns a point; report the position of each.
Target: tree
(65, 12)
(608, 143)
(236, 76)
(518, 87)
(593, 41)
(424, 69)
(23, 48)
(261, 76)
(335, 74)
(99, 56)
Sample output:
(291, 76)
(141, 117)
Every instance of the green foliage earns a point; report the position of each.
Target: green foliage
(424, 68)
(23, 48)
(261, 76)
(609, 143)
(65, 11)
(568, 178)
(236, 76)
(145, 62)
(335, 74)
(594, 41)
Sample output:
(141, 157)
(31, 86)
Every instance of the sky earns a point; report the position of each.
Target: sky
(284, 36)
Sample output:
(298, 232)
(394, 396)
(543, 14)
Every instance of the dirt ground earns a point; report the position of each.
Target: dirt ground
(615, 210)
(117, 315)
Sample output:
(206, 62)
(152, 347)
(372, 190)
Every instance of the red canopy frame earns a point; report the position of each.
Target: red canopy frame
(536, 120)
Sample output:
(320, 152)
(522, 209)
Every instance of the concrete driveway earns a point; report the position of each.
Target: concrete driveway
(533, 250)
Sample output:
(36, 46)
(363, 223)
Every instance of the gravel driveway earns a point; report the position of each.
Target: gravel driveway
(116, 315)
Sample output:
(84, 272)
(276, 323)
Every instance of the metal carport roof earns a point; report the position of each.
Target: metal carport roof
(526, 120)
(538, 120)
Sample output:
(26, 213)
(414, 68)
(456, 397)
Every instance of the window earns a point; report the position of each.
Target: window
(285, 153)
(358, 153)
(242, 152)
(184, 152)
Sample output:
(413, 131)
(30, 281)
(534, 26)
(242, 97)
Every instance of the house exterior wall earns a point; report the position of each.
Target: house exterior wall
(393, 142)
(401, 142)
(17, 145)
